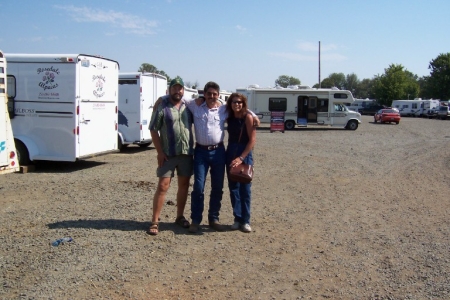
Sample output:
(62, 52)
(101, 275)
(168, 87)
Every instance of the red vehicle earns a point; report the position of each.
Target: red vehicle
(387, 115)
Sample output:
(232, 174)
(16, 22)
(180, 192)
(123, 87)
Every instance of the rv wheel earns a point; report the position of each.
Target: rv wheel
(352, 125)
(22, 153)
(289, 125)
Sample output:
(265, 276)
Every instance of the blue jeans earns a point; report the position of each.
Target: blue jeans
(204, 160)
(240, 193)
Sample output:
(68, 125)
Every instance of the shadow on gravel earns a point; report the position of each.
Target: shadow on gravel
(114, 224)
(126, 225)
(135, 149)
(64, 166)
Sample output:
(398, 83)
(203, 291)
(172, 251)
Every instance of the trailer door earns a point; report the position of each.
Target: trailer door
(98, 100)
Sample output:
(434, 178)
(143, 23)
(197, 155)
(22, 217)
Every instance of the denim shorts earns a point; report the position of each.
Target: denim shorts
(184, 164)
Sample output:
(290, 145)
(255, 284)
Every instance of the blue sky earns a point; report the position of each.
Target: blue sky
(236, 42)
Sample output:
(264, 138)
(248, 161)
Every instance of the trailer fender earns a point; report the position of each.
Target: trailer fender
(30, 146)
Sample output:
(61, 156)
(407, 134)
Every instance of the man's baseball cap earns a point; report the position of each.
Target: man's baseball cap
(175, 82)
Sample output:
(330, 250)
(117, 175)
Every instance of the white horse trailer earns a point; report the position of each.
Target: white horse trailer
(138, 93)
(63, 106)
(8, 156)
(303, 106)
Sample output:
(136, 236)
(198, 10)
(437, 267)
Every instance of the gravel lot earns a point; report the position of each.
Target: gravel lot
(336, 214)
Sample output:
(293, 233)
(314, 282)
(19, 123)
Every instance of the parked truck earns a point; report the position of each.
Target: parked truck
(303, 107)
(63, 107)
(8, 156)
(138, 93)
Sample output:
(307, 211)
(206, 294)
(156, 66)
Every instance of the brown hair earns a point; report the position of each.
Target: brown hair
(230, 103)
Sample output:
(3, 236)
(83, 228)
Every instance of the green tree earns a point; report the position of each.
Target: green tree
(285, 80)
(351, 82)
(365, 89)
(395, 83)
(149, 68)
(439, 81)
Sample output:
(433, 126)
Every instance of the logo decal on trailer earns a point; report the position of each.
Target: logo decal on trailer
(2, 146)
(99, 82)
(48, 78)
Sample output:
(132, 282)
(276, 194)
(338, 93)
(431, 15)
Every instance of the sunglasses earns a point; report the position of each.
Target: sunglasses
(237, 102)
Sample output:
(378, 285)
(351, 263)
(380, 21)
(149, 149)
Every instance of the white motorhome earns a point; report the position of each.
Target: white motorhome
(358, 104)
(8, 156)
(138, 93)
(190, 93)
(63, 107)
(416, 107)
(303, 106)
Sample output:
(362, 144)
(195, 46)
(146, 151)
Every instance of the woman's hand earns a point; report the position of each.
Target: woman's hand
(236, 162)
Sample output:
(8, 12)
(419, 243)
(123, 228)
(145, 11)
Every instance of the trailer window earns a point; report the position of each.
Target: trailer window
(277, 104)
(127, 81)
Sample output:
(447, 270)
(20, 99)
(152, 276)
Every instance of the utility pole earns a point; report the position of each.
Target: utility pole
(320, 85)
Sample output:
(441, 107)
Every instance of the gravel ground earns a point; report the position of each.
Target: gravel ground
(336, 214)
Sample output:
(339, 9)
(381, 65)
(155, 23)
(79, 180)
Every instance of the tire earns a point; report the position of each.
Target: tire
(397, 123)
(289, 125)
(352, 125)
(23, 156)
(375, 120)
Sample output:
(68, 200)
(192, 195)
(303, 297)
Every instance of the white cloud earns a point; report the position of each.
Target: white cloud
(241, 29)
(130, 23)
(302, 57)
(308, 46)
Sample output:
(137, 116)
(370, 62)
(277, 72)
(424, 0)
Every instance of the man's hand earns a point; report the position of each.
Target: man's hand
(256, 121)
(199, 101)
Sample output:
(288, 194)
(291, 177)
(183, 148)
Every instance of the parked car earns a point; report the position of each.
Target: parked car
(444, 112)
(387, 115)
(371, 109)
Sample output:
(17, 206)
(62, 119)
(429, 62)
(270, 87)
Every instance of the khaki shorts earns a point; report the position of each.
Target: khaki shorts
(184, 164)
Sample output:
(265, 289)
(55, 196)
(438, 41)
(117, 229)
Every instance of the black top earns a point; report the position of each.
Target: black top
(234, 130)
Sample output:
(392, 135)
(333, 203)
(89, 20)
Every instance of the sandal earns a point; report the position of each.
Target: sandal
(153, 230)
(181, 220)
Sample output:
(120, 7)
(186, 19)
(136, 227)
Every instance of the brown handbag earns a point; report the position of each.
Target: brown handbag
(242, 173)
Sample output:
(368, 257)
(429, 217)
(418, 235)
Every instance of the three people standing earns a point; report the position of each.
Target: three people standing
(209, 154)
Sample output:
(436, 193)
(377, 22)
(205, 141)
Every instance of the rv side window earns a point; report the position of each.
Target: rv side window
(322, 105)
(414, 105)
(277, 104)
(340, 96)
(127, 81)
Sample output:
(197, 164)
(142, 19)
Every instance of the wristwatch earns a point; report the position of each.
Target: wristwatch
(241, 158)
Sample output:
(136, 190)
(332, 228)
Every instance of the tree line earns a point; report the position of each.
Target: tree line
(396, 83)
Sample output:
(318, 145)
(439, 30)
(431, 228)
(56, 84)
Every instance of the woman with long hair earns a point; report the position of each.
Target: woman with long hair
(241, 140)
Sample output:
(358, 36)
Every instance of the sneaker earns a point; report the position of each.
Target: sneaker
(193, 228)
(246, 228)
(235, 226)
(216, 225)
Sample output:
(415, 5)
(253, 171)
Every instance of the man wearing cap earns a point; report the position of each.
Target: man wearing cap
(171, 131)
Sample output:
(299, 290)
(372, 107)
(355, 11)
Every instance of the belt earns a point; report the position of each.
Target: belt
(210, 147)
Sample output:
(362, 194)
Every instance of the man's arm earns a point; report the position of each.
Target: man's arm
(256, 121)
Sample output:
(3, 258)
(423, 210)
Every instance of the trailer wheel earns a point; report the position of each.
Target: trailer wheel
(289, 125)
(120, 146)
(352, 125)
(22, 153)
